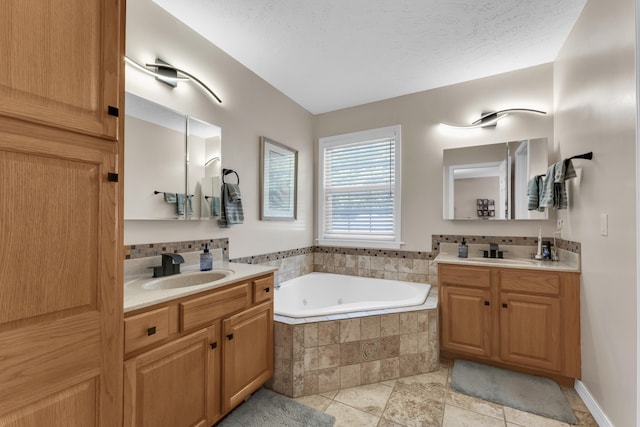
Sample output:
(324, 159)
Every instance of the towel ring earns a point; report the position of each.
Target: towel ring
(226, 172)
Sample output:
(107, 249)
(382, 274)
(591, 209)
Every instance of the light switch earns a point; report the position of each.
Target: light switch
(604, 224)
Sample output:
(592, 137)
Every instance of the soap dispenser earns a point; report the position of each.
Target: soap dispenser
(206, 259)
(463, 249)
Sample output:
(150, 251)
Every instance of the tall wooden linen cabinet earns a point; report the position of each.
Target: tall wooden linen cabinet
(61, 92)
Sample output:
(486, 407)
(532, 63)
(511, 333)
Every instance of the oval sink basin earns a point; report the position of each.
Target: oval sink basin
(504, 261)
(184, 280)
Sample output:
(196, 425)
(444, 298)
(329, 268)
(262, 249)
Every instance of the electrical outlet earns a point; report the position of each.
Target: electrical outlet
(559, 224)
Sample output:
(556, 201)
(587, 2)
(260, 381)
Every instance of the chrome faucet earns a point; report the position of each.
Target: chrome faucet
(170, 265)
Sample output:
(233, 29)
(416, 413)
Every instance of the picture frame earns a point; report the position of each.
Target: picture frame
(278, 181)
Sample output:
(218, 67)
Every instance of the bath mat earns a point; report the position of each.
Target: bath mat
(529, 393)
(269, 409)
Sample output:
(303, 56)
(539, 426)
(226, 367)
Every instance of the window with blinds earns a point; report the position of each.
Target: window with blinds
(360, 188)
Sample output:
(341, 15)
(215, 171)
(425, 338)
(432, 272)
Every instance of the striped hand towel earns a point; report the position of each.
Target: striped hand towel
(231, 211)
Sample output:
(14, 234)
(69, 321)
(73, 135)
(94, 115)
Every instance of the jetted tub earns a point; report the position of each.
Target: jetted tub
(324, 294)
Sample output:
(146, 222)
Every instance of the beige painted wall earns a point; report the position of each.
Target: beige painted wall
(250, 108)
(423, 141)
(595, 93)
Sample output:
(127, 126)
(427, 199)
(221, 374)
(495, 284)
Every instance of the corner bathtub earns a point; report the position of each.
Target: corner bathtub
(324, 294)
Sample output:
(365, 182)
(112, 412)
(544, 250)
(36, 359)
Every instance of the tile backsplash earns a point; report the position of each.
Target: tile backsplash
(144, 250)
(412, 266)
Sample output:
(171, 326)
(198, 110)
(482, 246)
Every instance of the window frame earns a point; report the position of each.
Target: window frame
(374, 241)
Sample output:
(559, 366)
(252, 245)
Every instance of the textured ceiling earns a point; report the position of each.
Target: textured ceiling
(332, 54)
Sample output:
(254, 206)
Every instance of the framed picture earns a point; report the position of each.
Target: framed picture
(278, 181)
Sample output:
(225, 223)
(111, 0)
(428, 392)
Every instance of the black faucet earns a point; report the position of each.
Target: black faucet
(170, 265)
(493, 251)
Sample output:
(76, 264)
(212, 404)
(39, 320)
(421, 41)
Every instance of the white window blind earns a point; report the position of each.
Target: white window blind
(360, 187)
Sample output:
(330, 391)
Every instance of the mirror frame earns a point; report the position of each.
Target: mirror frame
(288, 186)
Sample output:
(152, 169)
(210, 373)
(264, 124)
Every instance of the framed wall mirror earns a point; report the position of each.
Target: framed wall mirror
(278, 181)
(490, 182)
(172, 164)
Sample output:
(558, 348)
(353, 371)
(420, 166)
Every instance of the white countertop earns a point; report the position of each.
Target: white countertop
(571, 264)
(135, 297)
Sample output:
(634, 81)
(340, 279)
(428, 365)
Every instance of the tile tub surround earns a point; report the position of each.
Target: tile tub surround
(317, 357)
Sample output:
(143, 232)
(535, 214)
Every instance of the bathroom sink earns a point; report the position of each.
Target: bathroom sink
(503, 261)
(182, 280)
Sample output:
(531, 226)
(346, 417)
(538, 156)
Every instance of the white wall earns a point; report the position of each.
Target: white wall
(595, 93)
(423, 141)
(250, 108)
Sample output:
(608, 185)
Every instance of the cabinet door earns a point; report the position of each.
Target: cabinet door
(171, 385)
(60, 63)
(247, 353)
(61, 298)
(466, 320)
(530, 330)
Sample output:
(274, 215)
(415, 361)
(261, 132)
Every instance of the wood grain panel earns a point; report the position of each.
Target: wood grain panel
(46, 199)
(466, 320)
(247, 353)
(60, 63)
(145, 329)
(530, 330)
(75, 406)
(262, 289)
(72, 355)
(170, 385)
(203, 310)
(61, 299)
(464, 276)
(530, 281)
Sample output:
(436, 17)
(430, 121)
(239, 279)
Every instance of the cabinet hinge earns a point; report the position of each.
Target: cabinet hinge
(113, 111)
(112, 177)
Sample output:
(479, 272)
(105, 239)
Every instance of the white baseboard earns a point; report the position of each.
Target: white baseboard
(592, 405)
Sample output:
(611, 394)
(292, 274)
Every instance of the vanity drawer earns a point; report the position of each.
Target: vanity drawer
(459, 275)
(539, 282)
(262, 289)
(204, 310)
(144, 329)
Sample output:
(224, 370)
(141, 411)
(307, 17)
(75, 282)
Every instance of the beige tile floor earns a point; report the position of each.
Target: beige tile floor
(426, 400)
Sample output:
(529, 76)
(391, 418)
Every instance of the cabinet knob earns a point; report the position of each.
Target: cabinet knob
(151, 331)
(487, 303)
(230, 337)
(266, 290)
(214, 345)
(504, 305)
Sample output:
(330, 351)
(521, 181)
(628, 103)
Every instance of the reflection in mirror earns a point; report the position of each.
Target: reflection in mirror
(490, 182)
(203, 164)
(528, 158)
(172, 163)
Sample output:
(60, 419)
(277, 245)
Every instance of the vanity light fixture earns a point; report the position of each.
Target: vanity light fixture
(491, 119)
(169, 74)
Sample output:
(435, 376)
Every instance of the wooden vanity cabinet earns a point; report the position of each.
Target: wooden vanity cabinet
(247, 353)
(61, 330)
(517, 318)
(174, 384)
(192, 360)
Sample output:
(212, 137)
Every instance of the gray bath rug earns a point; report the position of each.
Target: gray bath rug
(528, 393)
(269, 409)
